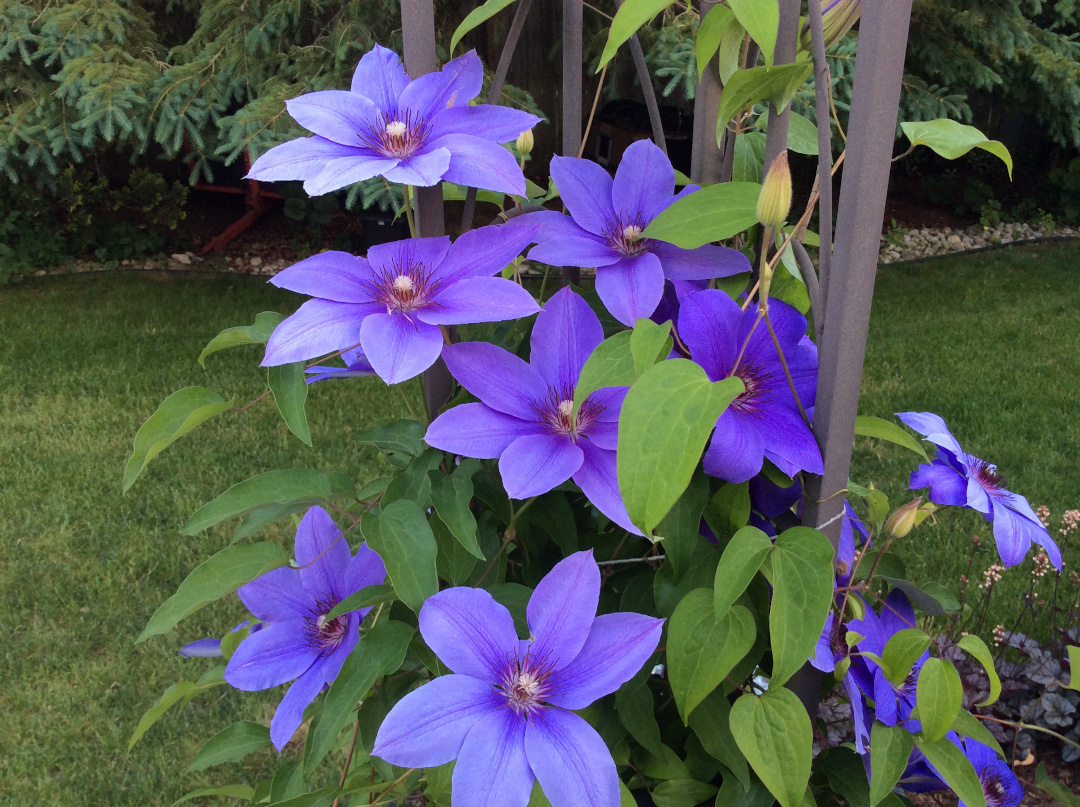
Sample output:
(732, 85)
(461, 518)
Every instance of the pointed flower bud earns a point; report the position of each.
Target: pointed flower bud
(775, 198)
(525, 142)
(904, 518)
(837, 17)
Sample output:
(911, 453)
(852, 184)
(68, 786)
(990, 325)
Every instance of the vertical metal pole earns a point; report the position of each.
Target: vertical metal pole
(573, 65)
(822, 81)
(647, 90)
(784, 53)
(706, 159)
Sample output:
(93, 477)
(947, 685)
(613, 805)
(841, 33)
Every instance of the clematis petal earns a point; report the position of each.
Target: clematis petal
(1012, 532)
(933, 428)
(480, 163)
(201, 648)
(336, 276)
(497, 377)
(947, 485)
(897, 613)
(860, 718)
(885, 706)
(565, 333)
(736, 450)
(789, 443)
(276, 596)
(323, 555)
(365, 569)
(497, 124)
(400, 349)
(290, 712)
(318, 327)
(552, 224)
(477, 430)
(571, 761)
(585, 189)
(492, 769)
(535, 463)
(427, 727)
(336, 657)
(302, 158)
(604, 434)
(644, 182)
(459, 81)
(700, 264)
(707, 324)
(483, 252)
(471, 633)
(393, 257)
(631, 289)
(339, 173)
(278, 653)
(381, 77)
(823, 658)
(598, 480)
(423, 169)
(562, 609)
(575, 250)
(337, 115)
(611, 398)
(617, 647)
(478, 299)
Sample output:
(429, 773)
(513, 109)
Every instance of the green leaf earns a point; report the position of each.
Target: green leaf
(710, 214)
(323, 797)
(474, 18)
(847, 777)
(951, 139)
(702, 650)
(976, 647)
(967, 725)
(729, 510)
(709, 34)
(630, 16)
(255, 334)
(777, 84)
(453, 563)
(869, 426)
(611, 364)
(1060, 793)
(290, 391)
(749, 165)
(955, 768)
(288, 782)
(801, 573)
(451, 495)
(732, 795)
(636, 709)
(901, 652)
(178, 414)
(219, 575)
(760, 18)
(666, 419)
(452, 192)
(402, 536)
(364, 598)
(933, 598)
(647, 344)
(177, 692)
(379, 652)
(400, 437)
(741, 560)
(298, 489)
(414, 483)
(231, 744)
(802, 136)
(711, 723)
(514, 597)
(939, 695)
(1074, 668)
(682, 793)
(892, 747)
(774, 734)
(232, 791)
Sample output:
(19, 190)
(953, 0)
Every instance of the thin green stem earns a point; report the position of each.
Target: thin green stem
(784, 364)
(408, 210)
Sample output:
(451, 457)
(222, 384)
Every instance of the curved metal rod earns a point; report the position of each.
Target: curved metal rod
(497, 81)
(813, 291)
(647, 90)
(824, 127)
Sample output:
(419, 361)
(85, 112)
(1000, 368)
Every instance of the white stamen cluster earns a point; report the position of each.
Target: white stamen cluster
(403, 284)
(396, 128)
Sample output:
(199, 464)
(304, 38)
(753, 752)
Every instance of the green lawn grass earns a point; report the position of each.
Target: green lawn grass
(990, 342)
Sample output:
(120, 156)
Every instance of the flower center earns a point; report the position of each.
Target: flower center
(758, 386)
(625, 237)
(325, 634)
(556, 412)
(398, 135)
(987, 476)
(527, 683)
(396, 128)
(403, 289)
(998, 793)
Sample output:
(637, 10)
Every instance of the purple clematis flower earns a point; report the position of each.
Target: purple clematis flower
(957, 478)
(413, 132)
(356, 366)
(297, 641)
(607, 218)
(392, 303)
(504, 712)
(764, 420)
(525, 417)
(999, 783)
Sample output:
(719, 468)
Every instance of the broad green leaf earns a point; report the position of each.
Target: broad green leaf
(402, 536)
(219, 575)
(452, 192)
(680, 530)
(967, 725)
(846, 774)
(1060, 793)
(774, 734)
(475, 17)
(245, 792)
(729, 510)
(323, 797)
(932, 597)
(955, 768)
(711, 723)
(647, 343)
(290, 391)
(379, 652)
(364, 598)
(952, 139)
(976, 647)
(733, 794)
(1074, 668)
(892, 747)
(400, 437)
(741, 560)
(231, 744)
(901, 652)
(255, 334)
(514, 597)
(178, 414)
(298, 489)
(869, 426)
(801, 573)
(802, 135)
(709, 34)
(439, 783)
(760, 18)
(777, 84)
(630, 16)
(749, 165)
(636, 709)
(414, 483)
(453, 563)
(611, 364)
(451, 495)
(702, 650)
(666, 419)
(288, 782)
(710, 214)
(939, 695)
(667, 765)
(682, 793)
(177, 692)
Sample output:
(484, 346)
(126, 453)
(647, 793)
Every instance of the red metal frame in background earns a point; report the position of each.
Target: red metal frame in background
(256, 200)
